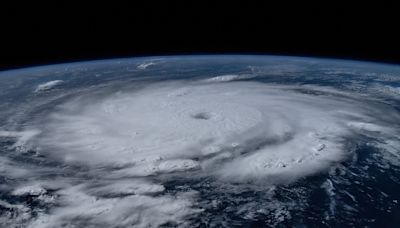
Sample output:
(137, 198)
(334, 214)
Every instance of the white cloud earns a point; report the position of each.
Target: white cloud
(272, 132)
(229, 77)
(145, 65)
(80, 209)
(118, 151)
(34, 190)
(48, 85)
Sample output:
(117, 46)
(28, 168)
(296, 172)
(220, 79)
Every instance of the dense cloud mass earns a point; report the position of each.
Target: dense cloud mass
(236, 131)
(111, 155)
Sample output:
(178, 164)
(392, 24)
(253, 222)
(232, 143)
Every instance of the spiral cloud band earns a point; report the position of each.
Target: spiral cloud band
(113, 157)
(236, 131)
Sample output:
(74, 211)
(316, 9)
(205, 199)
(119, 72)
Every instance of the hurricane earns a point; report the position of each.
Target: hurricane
(190, 141)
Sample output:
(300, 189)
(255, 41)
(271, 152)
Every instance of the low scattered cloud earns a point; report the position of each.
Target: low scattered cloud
(48, 85)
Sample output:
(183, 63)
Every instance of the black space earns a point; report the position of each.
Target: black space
(63, 32)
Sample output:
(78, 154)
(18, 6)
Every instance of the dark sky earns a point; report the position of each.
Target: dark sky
(62, 32)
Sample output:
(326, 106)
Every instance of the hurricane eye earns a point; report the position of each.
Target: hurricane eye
(201, 116)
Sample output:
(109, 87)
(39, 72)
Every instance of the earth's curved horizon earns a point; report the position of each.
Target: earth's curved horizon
(201, 141)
